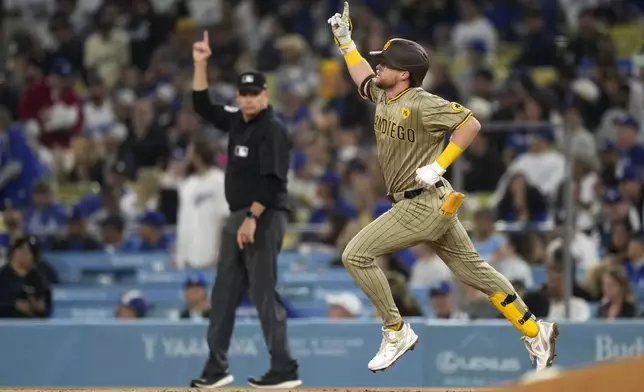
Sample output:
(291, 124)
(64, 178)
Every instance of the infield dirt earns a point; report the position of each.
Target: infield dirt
(623, 375)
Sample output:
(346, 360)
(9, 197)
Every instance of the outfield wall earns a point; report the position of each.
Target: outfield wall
(147, 353)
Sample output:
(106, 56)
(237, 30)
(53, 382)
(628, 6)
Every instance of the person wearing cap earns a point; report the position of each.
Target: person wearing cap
(112, 234)
(344, 305)
(25, 291)
(635, 264)
(46, 218)
(255, 187)
(411, 127)
(77, 237)
(630, 150)
(133, 305)
(151, 236)
(442, 301)
(196, 297)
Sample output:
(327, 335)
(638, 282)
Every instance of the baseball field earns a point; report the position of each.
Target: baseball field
(622, 375)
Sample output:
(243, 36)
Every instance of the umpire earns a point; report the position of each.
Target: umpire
(258, 162)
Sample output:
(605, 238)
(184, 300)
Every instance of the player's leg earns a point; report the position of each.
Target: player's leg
(455, 248)
(403, 226)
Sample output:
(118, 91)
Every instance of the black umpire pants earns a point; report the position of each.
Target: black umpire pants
(252, 270)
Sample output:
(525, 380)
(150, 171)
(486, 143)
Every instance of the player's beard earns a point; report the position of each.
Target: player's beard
(383, 84)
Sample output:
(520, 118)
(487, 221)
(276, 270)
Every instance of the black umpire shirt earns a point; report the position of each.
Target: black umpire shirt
(258, 154)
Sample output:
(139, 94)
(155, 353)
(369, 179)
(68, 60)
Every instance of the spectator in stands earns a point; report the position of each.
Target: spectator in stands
(473, 26)
(203, 210)
(616, 254)
(328, 190)
(151, 236)
(19, 164)
(583, 247)
(490, 245)
(585, 181)
(483, 165)
(14, 228)
(96, 207)
(442, 302)
(549, 300)
(77, 237)
(618, 301)
(46, 218)
(542, 166)
(538, 43)
(631, 152)
(631, 185)
(522, 202)
(133, 305)
(635, 264)
(98, 111)
(24, 291)
(112, 235)
(344, 305)
(54, 106)
(147, 140)
(585, 45)
(512, 265)
(403, 298)
(107, 49)
(196, 298)
(614, 211)
(429, 269)
(583, 141)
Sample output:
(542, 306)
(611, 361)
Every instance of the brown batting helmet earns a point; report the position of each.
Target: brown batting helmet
(405, 55)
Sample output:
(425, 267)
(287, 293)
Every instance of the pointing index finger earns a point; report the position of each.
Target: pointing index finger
(345, 13)
(205, 37)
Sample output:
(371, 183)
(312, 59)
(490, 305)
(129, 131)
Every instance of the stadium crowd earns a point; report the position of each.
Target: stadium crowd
(98, 138)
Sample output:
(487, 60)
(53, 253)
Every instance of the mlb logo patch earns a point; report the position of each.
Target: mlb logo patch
(248, 79)
(241, 151)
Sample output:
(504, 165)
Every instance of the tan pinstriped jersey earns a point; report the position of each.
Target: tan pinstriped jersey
(410, 131)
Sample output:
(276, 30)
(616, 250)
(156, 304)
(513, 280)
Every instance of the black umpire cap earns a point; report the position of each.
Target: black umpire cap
(405, 55)
(252, 82)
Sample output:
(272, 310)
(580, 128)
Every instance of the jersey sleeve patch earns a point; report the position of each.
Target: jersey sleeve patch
(456, 107)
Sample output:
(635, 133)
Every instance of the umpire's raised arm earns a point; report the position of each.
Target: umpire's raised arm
(218, 115)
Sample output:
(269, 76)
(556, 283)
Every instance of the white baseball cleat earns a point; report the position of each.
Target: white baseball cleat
(542, 347)
(394, 345)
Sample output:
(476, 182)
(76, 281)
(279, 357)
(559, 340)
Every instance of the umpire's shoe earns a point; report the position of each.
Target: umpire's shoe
(218, 381)
(275, 380)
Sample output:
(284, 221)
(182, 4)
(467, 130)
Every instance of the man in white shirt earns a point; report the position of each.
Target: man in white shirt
(473, 27)
(202, 211)
(543, 166)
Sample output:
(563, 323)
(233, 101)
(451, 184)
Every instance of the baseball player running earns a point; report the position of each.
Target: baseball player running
(410, 127)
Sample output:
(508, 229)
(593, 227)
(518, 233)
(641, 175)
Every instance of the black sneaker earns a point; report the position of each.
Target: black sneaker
(274, 380)
(212, 382)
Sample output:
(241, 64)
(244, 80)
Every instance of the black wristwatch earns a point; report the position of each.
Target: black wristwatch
(250, 214)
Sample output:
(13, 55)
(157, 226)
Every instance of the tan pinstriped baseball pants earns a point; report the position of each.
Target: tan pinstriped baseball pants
(408, 223)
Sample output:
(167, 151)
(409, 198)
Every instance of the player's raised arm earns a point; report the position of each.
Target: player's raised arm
(341, 26)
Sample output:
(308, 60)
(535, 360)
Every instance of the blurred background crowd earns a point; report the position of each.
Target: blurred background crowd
(96, 127)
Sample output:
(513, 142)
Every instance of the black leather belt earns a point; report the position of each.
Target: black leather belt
(414, 193)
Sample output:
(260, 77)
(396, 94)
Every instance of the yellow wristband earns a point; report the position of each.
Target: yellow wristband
(449, 155)
(352, 58)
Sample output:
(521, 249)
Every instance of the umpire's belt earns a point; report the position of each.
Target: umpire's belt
(398, 196)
